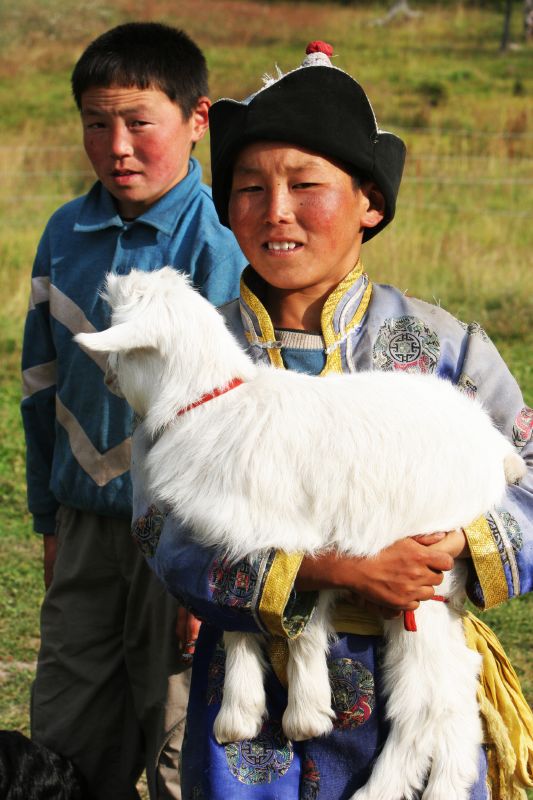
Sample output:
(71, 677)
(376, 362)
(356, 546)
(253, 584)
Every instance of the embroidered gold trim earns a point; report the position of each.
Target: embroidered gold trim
(276, 591)
(265, 323)
(487, 562)
(331, 337)
(278, 654)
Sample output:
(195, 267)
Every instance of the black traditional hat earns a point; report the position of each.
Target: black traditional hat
(316, 106)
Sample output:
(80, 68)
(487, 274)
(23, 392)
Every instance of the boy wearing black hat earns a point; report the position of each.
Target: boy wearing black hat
(303, 176)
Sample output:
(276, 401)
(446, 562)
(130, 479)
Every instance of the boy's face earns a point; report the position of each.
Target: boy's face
(298, 217)
(138, 142)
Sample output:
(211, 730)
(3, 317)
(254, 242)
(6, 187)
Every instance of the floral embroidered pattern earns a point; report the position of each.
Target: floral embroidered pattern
(261, 760)
(512, 529)
(215, 676)
(234, 584)
(407, 344)
(523, 427)
(352, 687)
(508, 539)
(146, 530)
(298, 611)
(310, 783)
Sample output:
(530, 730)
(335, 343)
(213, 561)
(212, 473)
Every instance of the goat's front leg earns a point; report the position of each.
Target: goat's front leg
(309, 711)
(243, 701)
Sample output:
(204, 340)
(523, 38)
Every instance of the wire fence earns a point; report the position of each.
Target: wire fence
(64, 172)
(425, 130)
(465, 132)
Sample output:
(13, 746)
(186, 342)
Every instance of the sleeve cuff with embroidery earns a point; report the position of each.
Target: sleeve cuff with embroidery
(491, 587)
(283, 611)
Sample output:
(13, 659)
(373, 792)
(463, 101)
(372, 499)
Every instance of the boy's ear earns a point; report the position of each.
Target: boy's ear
(116, 339)
(200, 119)
(375, 210)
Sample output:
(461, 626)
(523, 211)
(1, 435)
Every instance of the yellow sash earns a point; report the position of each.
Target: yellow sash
(507, 718)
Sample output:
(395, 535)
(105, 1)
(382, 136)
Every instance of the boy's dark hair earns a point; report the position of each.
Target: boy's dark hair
(147, 55)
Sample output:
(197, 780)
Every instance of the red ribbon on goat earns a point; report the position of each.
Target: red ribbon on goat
(409, 622)
(210, 396)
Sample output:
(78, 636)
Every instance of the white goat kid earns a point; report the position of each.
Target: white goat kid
(292, 462)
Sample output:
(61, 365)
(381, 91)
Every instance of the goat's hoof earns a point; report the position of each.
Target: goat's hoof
(365, 794)
(373, 793)
(361, 794)
(307, 724)
(447, 792)
(236, 727)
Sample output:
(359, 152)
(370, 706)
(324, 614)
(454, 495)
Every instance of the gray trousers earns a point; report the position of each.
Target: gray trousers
(110, 691)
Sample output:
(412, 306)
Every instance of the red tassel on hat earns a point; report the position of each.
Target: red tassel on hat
(319, 47)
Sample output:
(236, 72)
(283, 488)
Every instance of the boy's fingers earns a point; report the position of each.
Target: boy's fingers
(455, 544)
(437, 577)
(452, 542)
(440, 562)
(187, 630)
(193, 628)
(432, 557)
(429, 538)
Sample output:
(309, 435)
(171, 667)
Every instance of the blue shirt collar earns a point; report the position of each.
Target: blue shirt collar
(99, 210)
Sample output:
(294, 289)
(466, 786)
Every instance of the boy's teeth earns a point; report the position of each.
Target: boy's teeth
(281, 245)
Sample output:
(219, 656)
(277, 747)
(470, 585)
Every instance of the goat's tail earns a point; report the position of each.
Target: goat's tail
(515, 467)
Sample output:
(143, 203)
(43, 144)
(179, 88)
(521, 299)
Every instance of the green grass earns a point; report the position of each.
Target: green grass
(462, 236)
(20, 571)
(512, 624)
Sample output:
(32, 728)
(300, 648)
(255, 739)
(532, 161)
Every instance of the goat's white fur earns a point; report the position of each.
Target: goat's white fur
(289, 461)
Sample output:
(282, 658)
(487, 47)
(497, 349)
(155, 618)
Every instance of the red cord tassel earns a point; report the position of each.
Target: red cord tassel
(409, 621)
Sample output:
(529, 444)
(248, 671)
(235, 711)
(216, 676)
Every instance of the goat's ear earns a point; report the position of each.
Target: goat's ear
(126, 336)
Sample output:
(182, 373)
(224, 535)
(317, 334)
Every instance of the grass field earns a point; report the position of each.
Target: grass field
(462, 236)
